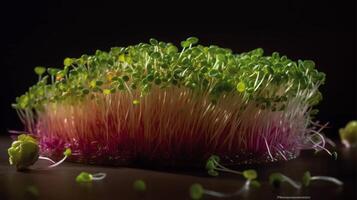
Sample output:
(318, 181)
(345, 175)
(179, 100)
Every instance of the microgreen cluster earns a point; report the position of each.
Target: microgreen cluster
(24, 152)
(209, 69)
(348, 134)
(174, 102)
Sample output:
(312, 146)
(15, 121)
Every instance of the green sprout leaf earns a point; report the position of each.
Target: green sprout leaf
(53, 71)
(139, 185)
(23, 152)
(68, 62)
(84, 177)
(40, 70)
(306, 179)
(250, 174)
(67, 152)
(192, 40)
(196, 191)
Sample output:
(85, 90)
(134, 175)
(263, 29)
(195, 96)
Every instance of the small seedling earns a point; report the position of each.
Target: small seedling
(307, 179)
(139, 185)
(85, 177)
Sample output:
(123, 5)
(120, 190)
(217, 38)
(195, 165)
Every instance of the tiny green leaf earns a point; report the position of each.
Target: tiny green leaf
(153, 41)
(84, 177)
(306, 179)
(139, 185)
(39, 70)
(240, 87)
(196, 191)
(185, 44)
(68, 62)
(250, 174)
(67, 152)
(192, 40)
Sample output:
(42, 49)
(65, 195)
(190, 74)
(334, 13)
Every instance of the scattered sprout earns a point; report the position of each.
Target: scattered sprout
(196, 191)
(275, 179)
(67, 153)
(139, 185)
(136, 102)
(23, 152)
(85, 177)
(213, 166)
(307, 178)
(349, 134)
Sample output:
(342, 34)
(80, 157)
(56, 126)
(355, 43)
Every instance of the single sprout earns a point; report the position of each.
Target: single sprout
(307, 178)
(66, 154)
(275, 179)
(139, 185)
(23, 152)
(39, 71)
(196, 191)
(349, 134)
(68, 61)
(213, 166)
(85, 177)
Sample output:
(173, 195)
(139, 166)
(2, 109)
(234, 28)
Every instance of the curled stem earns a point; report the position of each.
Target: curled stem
(328, 179)
(291, 182)
(98, 176)
(46, 158)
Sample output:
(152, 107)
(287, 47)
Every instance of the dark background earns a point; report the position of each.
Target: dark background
(43, 33)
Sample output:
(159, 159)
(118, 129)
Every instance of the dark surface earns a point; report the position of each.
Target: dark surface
(59, 183)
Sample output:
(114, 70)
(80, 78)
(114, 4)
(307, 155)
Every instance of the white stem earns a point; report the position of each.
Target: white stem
(224, 195)
(46, 158)
(229, 170)
(58, 163)
(98, 176)
(327, 178)
(291, 182)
